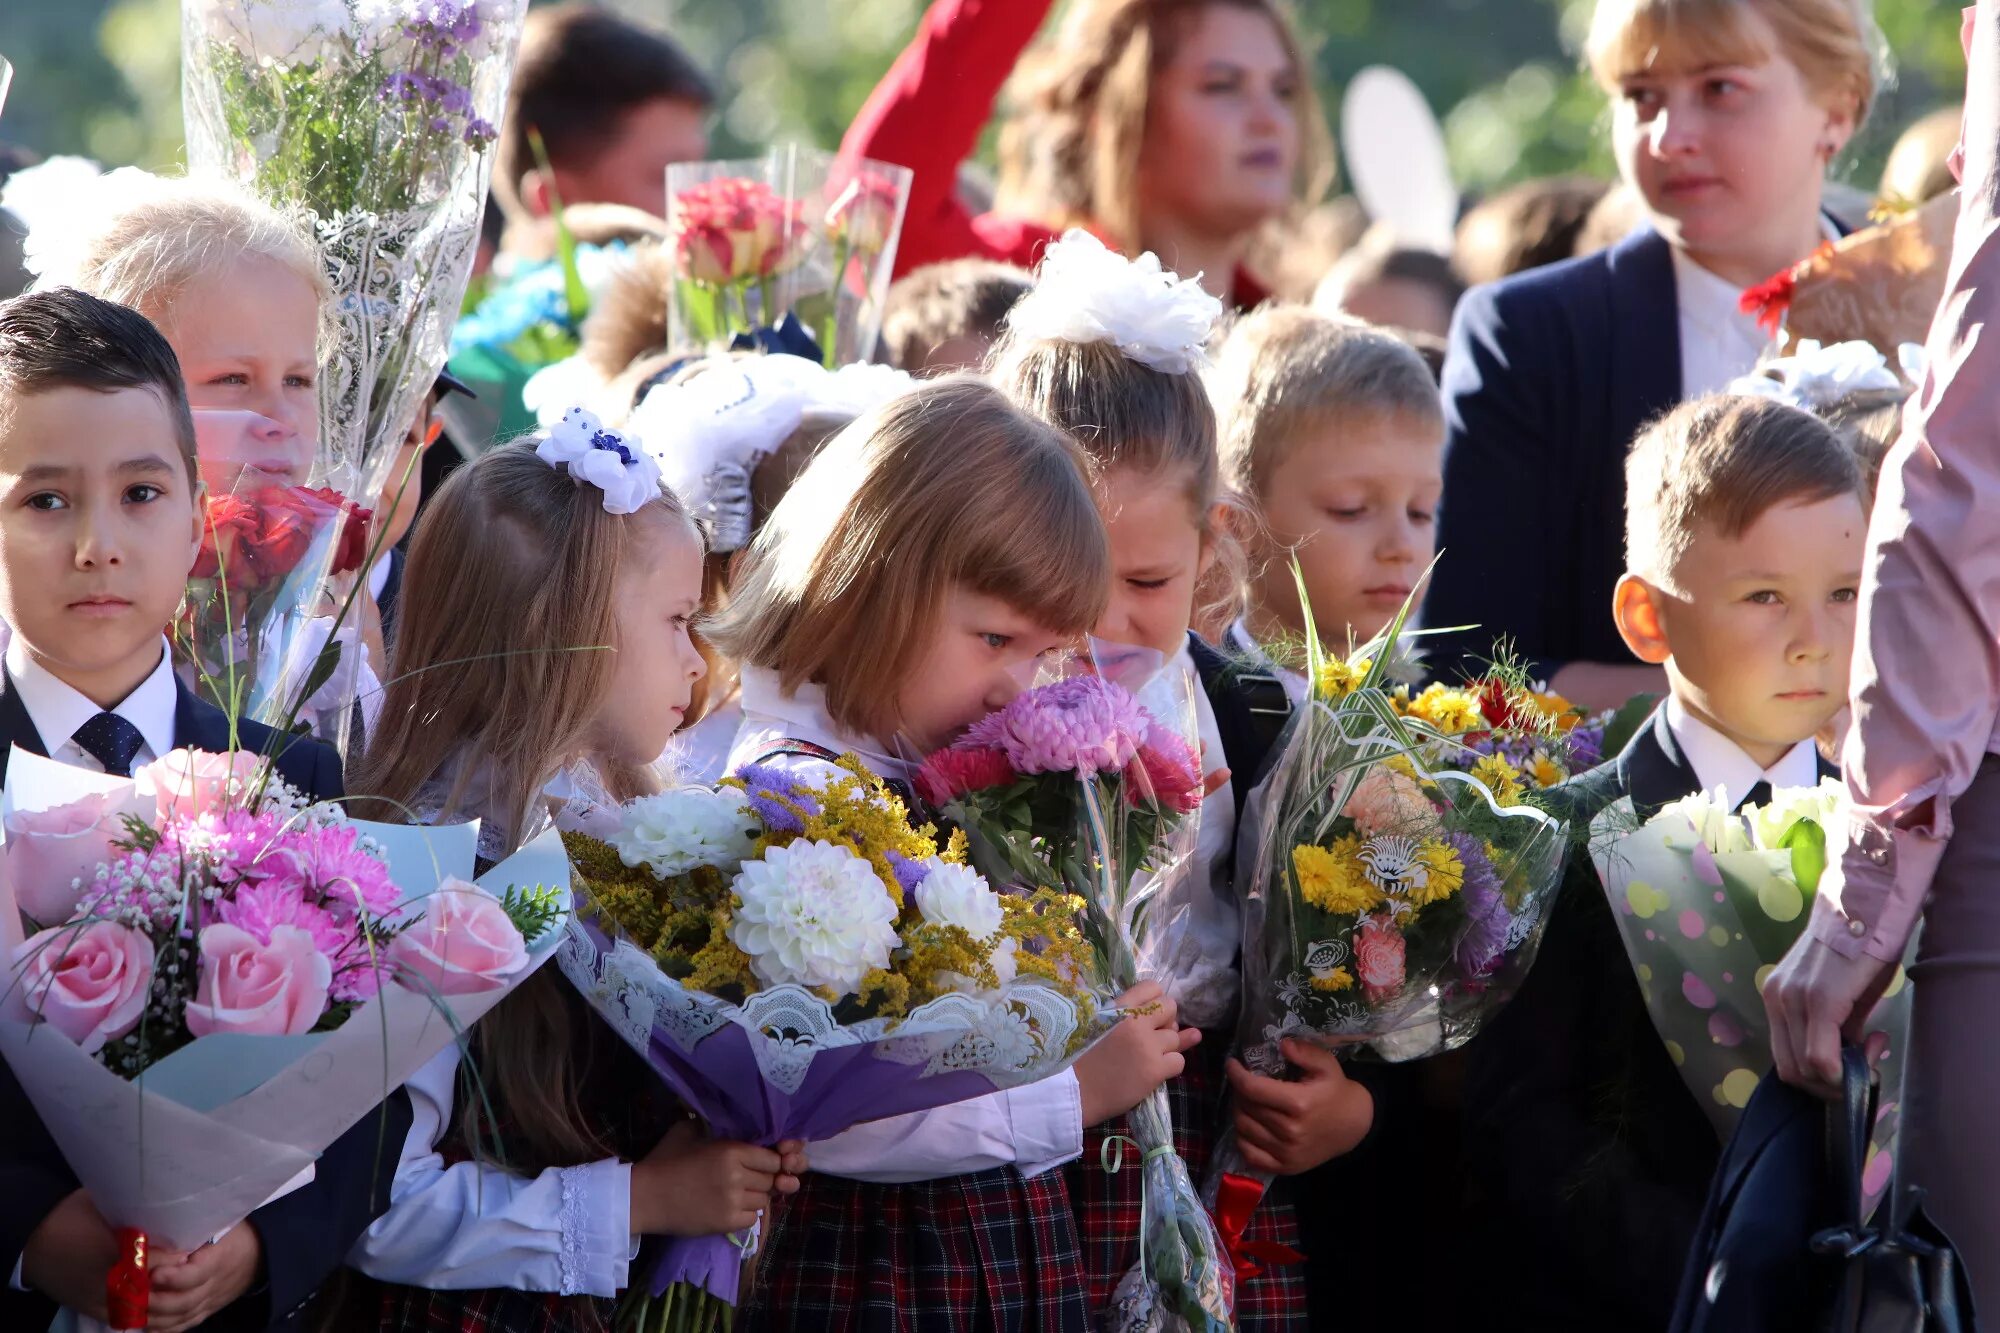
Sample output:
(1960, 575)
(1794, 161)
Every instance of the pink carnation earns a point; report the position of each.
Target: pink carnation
(1084, 725)
(1166, 771)
(1387, 801)
(951, 773)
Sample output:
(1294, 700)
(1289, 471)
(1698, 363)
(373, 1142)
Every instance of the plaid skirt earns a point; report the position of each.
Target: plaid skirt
(416, 1310)
(991, 1252)
(1107, 1204)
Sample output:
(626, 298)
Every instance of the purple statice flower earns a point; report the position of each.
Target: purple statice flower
(768, 789)
(480, 132)
(1084, 725)
(909, 873)
(1586, 747)
(1487, 918)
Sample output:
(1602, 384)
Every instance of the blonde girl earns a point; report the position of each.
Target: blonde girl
(544, 663)
(1725, 117)
(1110, 351)
(899, 592)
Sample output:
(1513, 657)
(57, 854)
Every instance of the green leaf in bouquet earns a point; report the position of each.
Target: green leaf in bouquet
(534, 911)
(1625, 723)
(323, 668)
(1806, 841)
(576, 297)
(703, 308)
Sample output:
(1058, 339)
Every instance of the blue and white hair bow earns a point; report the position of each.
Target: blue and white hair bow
(615, 463)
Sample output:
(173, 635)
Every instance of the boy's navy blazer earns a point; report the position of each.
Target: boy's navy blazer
(306, 1234)
(1585, 1138)
(1548, 377)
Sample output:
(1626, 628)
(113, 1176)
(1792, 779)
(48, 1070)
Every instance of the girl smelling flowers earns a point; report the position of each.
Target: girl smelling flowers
(545, 662)
(1110, 351)
(879, 614)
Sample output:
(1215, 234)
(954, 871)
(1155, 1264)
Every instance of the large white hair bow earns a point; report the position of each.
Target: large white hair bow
(1819, 376)
(614, 462)
(1087, 293)
(711, 431)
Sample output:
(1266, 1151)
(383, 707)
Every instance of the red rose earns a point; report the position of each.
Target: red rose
(352, 551)
(226, 521)
(952, 772)
(287, 519)
(1164, 773)
(1378, 957)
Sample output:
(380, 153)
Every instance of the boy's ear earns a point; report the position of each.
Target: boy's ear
(1635, 606)
(535, 193)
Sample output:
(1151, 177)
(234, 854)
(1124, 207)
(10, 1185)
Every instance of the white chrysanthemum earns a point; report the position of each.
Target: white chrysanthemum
(676, 831)
(813, 914)
(960, 896)
(1714, 824)
(1789, 805)
(1085, 292)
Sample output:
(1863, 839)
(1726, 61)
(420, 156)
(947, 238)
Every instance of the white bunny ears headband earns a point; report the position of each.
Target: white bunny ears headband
(1085, 292)
(711, 431)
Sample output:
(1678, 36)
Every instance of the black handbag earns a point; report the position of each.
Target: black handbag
(1783, 1247)
(1900, 1274)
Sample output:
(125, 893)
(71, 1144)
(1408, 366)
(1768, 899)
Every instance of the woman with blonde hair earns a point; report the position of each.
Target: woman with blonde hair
(1176, 126)
(1726, 115)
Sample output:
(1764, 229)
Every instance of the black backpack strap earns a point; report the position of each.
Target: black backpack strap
(1251, 708)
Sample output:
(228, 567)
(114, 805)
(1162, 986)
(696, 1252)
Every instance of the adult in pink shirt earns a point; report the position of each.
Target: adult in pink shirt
(1176, 126)
(1922, 837)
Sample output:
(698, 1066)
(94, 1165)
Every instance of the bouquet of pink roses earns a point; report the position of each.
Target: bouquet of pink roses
(208, 980)
(1080, 786)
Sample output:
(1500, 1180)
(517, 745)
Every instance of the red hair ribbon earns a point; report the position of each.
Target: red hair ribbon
(128, 1287)
(1237, 1198)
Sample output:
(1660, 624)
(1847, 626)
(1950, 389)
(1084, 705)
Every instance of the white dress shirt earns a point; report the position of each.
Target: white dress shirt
(1719, 762)
(473, 1225)
(1033, 1128)
(1719, 342)
(58, 710)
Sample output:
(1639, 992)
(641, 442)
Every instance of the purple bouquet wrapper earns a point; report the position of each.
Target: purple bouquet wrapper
(720, 1079)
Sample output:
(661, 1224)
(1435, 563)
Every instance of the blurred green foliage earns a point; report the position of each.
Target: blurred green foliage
(101, 76)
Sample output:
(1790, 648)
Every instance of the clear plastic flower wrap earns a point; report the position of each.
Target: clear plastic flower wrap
(373, 121)
(796, 956)
(794, 233)
(1391, 903)
(1090, 784)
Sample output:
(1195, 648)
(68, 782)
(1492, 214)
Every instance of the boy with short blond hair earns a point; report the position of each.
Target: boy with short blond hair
(1745, 526)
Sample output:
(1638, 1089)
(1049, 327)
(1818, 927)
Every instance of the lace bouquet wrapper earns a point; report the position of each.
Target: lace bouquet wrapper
(208, 981)
(261, 627)
(793, 958)
(373, 120)
(792, 251)
(1708, 901)
(1090, 786)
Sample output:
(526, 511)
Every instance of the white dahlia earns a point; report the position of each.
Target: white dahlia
(813, 914)
(676, 831)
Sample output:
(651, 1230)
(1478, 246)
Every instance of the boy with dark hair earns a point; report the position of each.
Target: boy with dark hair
(1745, 525)
(614, 103)
(945, 317)
(100, 519)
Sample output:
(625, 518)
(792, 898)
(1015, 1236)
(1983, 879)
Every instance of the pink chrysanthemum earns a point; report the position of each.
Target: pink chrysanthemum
(951, 773)
(347, 877)
(1083, 725)
(260, 908)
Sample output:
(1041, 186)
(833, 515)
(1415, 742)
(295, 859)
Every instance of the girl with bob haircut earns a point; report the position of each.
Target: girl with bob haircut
(900, 591)
(1725, 117)
(544, 664)
(1177, 126)
(1109, 352)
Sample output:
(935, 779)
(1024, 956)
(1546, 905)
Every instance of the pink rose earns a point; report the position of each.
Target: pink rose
(188, 784)
(1378, 957)
(89, 984)
(267, 990)
(48, 851)
(463, 944)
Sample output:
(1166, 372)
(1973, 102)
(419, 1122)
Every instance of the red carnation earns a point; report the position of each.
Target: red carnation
(952, 772)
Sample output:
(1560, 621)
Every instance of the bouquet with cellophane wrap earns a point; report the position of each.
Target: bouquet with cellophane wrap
(207, 979)
(1091, 785)
(795, 956)
(796, 233)
(1709, 901)
(373, 121)
(1392, 899)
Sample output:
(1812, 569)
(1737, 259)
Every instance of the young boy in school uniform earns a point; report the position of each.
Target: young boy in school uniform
(1745, 529)
(100, 519)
